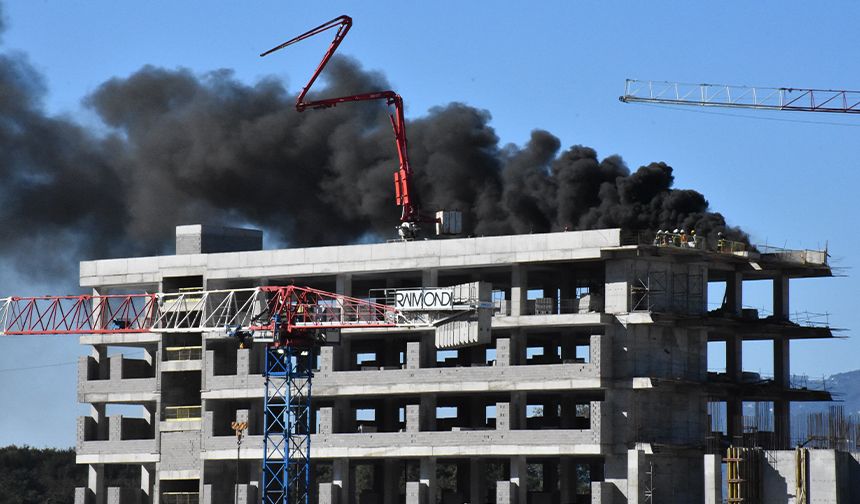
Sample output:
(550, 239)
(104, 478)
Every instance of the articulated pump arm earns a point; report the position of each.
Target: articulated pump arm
(405, 195)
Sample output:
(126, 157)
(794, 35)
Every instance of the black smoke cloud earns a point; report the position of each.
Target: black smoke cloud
(183, 148)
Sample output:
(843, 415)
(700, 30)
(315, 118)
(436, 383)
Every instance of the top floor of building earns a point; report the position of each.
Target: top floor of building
(603, 270)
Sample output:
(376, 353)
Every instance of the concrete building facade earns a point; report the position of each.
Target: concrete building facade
(594, 388)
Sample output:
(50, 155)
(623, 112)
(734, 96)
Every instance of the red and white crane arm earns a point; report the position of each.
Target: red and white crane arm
(254, 309)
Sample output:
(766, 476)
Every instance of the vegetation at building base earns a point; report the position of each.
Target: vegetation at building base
(33, 475)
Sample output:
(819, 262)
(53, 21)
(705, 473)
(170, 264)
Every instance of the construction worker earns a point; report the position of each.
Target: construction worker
(676, 238)
(693, 239)
(721, 242)
(657, 237)
(683, 238)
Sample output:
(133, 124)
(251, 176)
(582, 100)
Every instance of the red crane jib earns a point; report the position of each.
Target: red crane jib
(404, 192)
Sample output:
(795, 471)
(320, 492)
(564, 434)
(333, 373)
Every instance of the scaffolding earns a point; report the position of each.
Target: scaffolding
(743, 471)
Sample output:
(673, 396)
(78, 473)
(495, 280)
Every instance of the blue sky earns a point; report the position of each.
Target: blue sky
(789, 179)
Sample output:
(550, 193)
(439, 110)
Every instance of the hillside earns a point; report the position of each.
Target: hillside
(845, 388)
(30, 475)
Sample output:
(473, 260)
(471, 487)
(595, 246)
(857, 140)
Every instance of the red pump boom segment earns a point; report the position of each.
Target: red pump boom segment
(405, 195)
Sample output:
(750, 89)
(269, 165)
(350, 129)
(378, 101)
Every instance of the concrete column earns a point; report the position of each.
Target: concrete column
(477, 412)
(503, 351)
(430, 277)
(713, 479)
(326, 360)
(326, 423)
(343, 354)
(503, 416)
(781, 362)
(477, 481)
(735, 292)
(328, 493)
(782, 378)
(780, 296)
(416, 493)
(567, 479)
(390, 481)
(97, 412)
(115, 428)
(519, 289)
(428, 413)
(550, 476)
(343, 284)
(96, 482)
(99, 354)
(518, 410)
(146, 481)
(427, 477)
(782, 423)
(413, 418)
(387, 416)
(518, 347)
(428, 350)
(413, 354)
(635, 466)
(506, 492)
(519, 477)
(734, 420)
(340, 478)
(734, 357)
(342, 418)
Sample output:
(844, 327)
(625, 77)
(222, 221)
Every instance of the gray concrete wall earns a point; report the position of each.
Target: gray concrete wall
(832, 477)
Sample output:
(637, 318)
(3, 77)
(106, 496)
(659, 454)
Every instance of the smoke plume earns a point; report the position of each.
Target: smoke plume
(184, 148)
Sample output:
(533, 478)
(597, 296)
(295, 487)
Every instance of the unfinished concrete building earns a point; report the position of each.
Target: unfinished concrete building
(594, 387)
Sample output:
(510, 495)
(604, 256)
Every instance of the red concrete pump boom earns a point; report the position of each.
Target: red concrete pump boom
(405, 195)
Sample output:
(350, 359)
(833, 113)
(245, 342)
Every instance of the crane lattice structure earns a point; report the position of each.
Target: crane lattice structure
(291, 320)
(743, 97)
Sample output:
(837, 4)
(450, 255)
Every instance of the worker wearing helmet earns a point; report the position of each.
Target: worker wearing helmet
(676, 238)
(721, 242)
(683, 238)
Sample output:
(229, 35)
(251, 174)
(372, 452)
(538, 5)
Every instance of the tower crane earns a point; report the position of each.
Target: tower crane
(745, 97)
(404, 190)
(291, 320)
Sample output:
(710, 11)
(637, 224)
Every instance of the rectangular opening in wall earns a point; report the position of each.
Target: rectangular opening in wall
(180, 491)
(757, 361)
(447, 358)
(758, 298)
(365, 420)
(490, 356)
(716, 295)
(185, 283)
(366, 361)
(716, 356)
(583, 354)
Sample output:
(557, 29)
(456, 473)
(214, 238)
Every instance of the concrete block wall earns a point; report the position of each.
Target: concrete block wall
(622, 354)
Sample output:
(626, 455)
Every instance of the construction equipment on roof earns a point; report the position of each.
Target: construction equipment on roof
(742, 97)
(447, 222)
